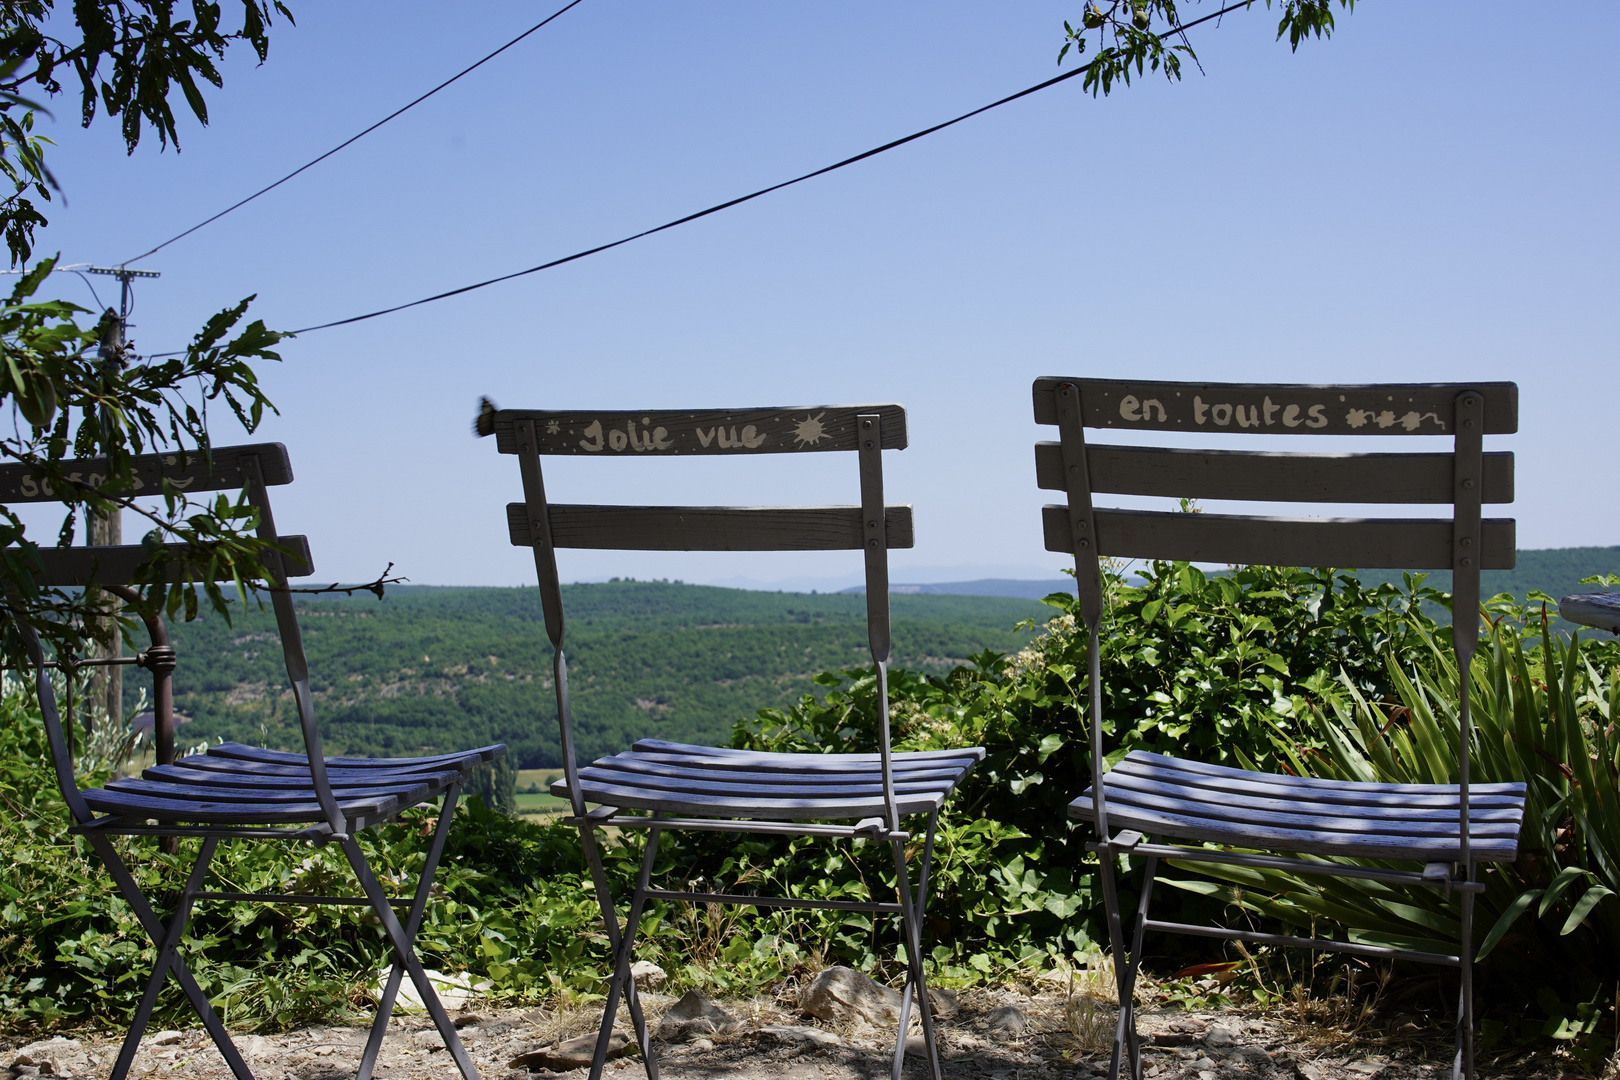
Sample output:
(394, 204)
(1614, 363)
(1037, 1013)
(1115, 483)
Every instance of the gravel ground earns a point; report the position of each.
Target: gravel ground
(1063, 1038)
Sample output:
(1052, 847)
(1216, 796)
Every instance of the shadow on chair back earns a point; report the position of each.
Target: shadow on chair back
(235, 792)
(1362, 830)
(662, 786)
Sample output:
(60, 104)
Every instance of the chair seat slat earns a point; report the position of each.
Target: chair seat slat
(771, 789)
(229, 813)
(284, 757)
(780, 808)
(1304, 841)
(633, 761)
(223, 793)
(1142, 762)
(1379, 805)
(760, 759)
(1241, 812)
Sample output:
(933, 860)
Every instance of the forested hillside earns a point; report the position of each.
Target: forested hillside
(430, 669)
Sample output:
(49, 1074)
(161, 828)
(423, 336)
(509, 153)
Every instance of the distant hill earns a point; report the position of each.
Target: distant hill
(1554, 571)
(430, 669)
(1027, 590)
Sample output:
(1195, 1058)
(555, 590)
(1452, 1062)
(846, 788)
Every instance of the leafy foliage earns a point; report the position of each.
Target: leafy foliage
(72, 386)
(1544, 717)
(127, 60)
(1150, 35)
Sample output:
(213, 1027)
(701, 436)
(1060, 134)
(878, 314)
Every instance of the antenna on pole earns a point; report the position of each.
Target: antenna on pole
(106, 688)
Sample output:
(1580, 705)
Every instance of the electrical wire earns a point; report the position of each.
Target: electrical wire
(348, 142)
(752, 195)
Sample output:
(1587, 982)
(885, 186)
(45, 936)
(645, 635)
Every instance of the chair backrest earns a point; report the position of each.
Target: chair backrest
(1462, 477)
(873, 527)
(254, 468)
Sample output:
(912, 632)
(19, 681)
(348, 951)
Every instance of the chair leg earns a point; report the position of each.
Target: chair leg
(623, 945)
(1125, 964)
(413, 923)
(911, 915)
(1463, 1067)
(167, 954)
(405, 951)
(1133, 1041)
(155, 929)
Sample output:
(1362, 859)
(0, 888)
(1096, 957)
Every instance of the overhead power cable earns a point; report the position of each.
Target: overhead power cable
(350, 141)
(914, 136)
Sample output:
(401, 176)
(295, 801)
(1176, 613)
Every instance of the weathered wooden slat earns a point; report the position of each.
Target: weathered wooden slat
(116, 565)
(1237, 812)
(1259, 833)
(1601, 610)
(775, 809)
(1185, 770)
(701, 431)
(1364, 543)
(708, 528)
(1279, 409)
(283, 757)
(1272, 477)
(1382, 806)
(186, 473)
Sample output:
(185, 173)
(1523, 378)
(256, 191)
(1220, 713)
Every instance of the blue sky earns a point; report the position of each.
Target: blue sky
(1429, 196)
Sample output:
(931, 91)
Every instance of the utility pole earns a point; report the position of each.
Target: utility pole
(106, 691)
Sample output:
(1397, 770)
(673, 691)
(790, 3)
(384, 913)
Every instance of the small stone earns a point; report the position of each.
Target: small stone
(51, 1057)
(1173, 1038)
(943, 1004)
(1305, 1070)
(1367, 1068)
(648, 975)
(165, 1038)
(916, 1046)
(841, 994)
(796, 1035)
(1255, 1054)
(571, 1053)
(467, 1020)
(1008, 1019)
(702, 1046)
(692, 1016)
(1220, 1035)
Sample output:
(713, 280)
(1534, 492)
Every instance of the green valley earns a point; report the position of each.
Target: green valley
(433, 669)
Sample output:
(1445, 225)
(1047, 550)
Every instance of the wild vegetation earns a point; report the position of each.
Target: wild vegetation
(1302, 669)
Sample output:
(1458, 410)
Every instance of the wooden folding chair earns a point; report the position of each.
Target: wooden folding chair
(1446, 830)
(677, 786)
(236, 792)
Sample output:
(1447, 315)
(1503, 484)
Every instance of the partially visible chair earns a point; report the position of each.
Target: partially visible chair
(658, 785)
(1436, 835)
(236, 792)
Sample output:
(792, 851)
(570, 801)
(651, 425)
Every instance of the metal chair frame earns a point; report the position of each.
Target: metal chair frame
(323, 797)
(872, 527)
(1463, 543)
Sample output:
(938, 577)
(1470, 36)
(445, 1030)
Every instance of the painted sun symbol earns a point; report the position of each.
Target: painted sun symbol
(809, 430)
(552, 427)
